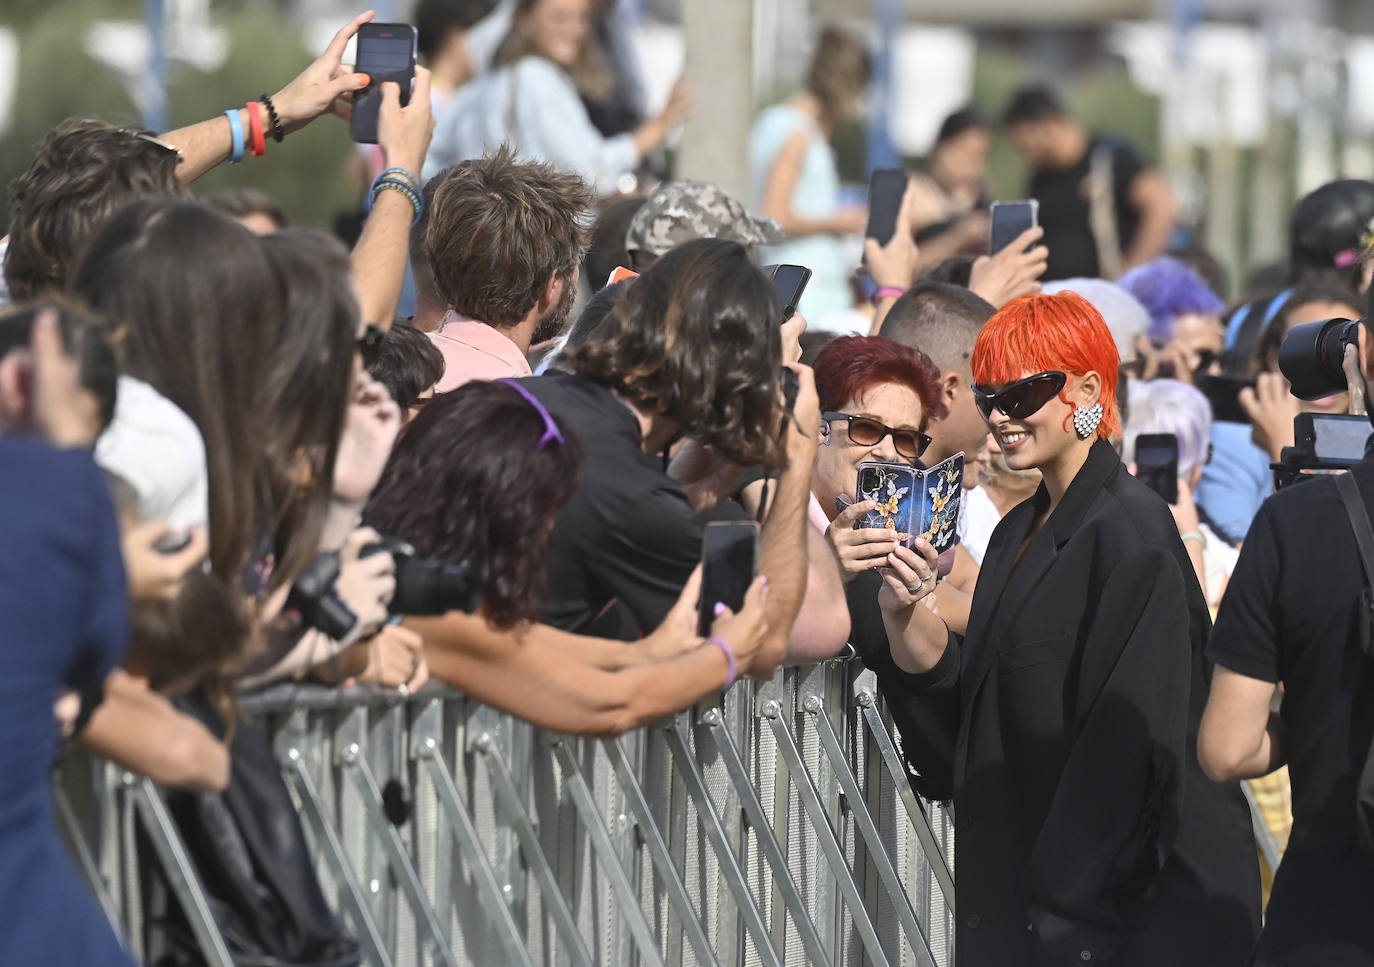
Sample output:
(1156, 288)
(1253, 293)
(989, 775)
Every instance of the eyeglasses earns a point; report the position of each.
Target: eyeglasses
(551, 432)
(370, 344)
(868, 432)
(1021, 399)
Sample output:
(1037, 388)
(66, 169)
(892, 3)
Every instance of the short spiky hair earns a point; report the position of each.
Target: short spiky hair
(1168, 288)
(852, 365)
(1034, 102)
(499, 229)
(1050, 333)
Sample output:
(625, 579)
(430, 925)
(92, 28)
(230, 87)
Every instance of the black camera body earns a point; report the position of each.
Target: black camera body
(1312, 356)
(423, 587)
(1324, 443)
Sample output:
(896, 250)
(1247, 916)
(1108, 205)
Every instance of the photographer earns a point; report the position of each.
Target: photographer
(1296, 616)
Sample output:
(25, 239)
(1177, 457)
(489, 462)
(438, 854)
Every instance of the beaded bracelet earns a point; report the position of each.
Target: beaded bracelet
(404, 174)
(732, 673)
(277, 132)
(410, 193)
(236, 131)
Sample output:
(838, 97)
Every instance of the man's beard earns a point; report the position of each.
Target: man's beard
(553, 324)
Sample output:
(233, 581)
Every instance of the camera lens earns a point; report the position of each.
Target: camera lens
(1311, 356)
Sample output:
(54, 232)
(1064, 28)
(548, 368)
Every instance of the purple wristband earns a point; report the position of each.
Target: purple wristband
(888, 292)
(729, 660)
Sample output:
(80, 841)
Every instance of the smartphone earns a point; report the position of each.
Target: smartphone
(885, 191)
(1156, 463)
(386, 52)
(894, 487)
(790, 281)
(730, 559)
(1332, 437)
(1223, 392)
(942, 494)
(1009, 220)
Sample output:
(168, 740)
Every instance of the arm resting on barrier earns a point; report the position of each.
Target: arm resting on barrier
(140, 730)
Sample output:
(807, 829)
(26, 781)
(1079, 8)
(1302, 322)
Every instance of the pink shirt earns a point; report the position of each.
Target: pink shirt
(475, 350)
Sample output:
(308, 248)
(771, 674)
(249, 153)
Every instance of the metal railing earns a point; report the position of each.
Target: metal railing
(769, 826)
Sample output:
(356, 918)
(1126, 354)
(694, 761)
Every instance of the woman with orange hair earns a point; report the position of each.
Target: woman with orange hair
(1064, 723)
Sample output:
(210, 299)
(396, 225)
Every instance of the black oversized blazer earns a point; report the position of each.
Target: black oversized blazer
(1064, 725)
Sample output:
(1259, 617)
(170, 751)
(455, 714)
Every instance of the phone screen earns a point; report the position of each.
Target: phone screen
(1333, 437)
(386, 52)
(1156, 462)
(730, 558)
(885, 191)
(1009, 220)
(790, 281)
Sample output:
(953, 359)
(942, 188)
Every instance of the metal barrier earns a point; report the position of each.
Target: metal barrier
(770, 826)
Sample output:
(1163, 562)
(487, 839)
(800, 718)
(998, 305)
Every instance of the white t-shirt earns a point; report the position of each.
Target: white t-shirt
(1219, 560)
(978, 518)
(158, 450)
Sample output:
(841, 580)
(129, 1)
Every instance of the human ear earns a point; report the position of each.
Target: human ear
(553, 291)
(1089, 389)
(15, 377)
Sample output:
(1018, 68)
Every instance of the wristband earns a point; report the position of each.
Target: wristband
(259, 143)
(1194, 536)
(415, 200)
(277, 132)
(732, 673)
(403, 174)
(888, 292)
(236, 131)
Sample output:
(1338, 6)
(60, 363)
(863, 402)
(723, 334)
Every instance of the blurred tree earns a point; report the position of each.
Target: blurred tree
(58, 79)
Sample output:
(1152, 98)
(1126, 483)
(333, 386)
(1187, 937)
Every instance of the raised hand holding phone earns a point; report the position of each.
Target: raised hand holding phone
(386, 54)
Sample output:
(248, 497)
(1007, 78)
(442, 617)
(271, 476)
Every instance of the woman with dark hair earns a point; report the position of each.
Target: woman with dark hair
(531, 101)
(794, 176)
(1064, 724)
(458, 496)
(949, 194)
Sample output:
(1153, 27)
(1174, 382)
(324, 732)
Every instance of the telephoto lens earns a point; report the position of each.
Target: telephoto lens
(1312, 355)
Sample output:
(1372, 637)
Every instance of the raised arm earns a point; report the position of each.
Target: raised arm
(782, 184)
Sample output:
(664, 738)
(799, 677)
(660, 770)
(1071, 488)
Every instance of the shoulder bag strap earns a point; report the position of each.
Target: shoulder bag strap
(1364, 540)
(1102, 214)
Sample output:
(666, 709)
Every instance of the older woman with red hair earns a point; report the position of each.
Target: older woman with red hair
(1064, 723)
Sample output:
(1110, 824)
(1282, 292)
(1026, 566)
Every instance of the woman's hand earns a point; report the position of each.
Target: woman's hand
(864, 549)
(743, 633)
(365, 584)
(403, 133)
(1272, 409)
(321, 87)
(910, 578)
(394, 657)
(153, 574)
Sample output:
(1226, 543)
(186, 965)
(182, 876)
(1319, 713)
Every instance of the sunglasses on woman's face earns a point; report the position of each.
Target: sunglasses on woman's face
(867, 432)
(1021, 399)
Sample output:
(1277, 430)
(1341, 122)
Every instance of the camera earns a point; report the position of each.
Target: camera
(423, 587)
(1313, 353)
(1324, 443)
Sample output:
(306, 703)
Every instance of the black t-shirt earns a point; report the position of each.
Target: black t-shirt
(1291, 615)
(629, 533)
(1065, 212)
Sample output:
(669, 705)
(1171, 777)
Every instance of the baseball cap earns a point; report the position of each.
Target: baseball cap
(679, 211)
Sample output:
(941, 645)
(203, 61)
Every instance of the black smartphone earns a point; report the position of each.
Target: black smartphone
(730, 559)
(386, 52)
(1332, 437)
(1009, 220)
(1223, 392)
(1156, 463)
(885, 191)
(790, 281)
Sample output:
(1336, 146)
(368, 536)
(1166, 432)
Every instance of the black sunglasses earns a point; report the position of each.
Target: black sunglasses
(370, 344)
(868, 432)
(1021, 399)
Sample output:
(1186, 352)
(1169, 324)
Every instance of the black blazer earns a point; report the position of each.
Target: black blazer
(1065, 724)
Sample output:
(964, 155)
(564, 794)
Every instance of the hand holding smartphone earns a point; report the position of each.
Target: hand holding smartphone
(886, 188)
(1009, 220)
(730, 559)
(386, 52)
(790, 282)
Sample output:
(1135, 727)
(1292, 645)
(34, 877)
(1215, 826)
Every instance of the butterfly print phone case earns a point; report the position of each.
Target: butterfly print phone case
(893, 487)
(913, 500)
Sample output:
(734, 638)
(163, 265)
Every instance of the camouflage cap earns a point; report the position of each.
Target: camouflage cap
(679, 211)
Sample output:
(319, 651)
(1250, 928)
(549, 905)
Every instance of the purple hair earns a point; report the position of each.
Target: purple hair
(1169, 289)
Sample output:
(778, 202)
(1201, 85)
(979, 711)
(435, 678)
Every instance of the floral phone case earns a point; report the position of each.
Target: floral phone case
(893, 486)
(914, 500)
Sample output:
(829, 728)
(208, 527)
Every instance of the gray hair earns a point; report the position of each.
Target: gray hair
(1169, 406)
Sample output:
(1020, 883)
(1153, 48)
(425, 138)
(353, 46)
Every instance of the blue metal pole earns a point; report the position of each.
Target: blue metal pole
(155, 113)
(882, 153)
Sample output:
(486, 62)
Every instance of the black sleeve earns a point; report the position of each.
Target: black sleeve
(1245, 638)
(924, 707)
(647, 558)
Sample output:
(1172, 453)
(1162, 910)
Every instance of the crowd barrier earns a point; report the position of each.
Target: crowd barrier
(772, 826)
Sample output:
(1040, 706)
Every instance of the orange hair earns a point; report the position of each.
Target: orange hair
(1041, 333)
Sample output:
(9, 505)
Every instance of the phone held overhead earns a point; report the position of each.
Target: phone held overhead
(386, 52)
(1008, 220)
(886, 188)
(790, 282)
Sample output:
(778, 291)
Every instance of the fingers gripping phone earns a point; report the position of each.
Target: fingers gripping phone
(386, 52)
(1009, 220)
(886, 189)
(1156, 463)
(730, 559)
(790, 282)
